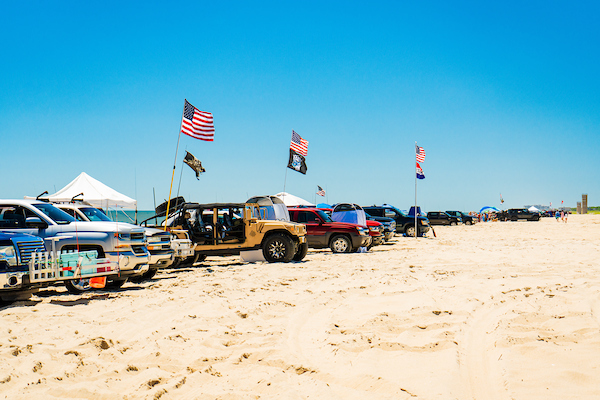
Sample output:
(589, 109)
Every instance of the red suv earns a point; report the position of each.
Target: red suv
(322, 231)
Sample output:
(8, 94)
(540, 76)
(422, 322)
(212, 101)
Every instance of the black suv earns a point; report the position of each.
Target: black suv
(515, 214)
(442, 218)
(404, 223)
(466, 218)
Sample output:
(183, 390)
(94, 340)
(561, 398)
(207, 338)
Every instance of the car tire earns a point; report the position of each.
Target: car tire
(116, 283)
(410, 231)
(468, 222)
(197, 257)
(340, 244)
(145, 276)
(452, 223)
(278, 248)
(301, 253)
(78, 286)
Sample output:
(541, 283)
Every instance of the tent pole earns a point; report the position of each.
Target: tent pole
(174, 164)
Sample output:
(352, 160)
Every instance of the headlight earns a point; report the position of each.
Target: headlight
(7, 253)
(424, 223)
(374, 229)
(122, 236)
(154, 239)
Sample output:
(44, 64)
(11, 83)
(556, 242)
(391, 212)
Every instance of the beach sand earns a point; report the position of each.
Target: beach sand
(492, 311)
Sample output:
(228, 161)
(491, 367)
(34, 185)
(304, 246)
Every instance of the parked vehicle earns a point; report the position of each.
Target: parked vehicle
(389, 226)
(231, 228)
(466, 218)
(26, 266)
(442, 218)
(158, 242)
(516, 214)
(353, 213)
(323, 232)
(122, 243)
(404, 223)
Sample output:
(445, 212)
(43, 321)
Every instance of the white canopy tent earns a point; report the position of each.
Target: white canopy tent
(93, 192)
(533, 209)
(293, 201)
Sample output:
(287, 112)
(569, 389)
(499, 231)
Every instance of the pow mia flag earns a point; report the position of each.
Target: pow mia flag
(194, 164)
(297, 162)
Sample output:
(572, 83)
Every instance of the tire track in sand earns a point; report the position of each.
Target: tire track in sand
(480, 371)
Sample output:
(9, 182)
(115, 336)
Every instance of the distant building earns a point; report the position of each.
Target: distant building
(578, 207)
(584, 203)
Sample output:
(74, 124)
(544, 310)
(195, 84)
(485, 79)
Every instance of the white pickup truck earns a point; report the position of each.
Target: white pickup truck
(120, 242)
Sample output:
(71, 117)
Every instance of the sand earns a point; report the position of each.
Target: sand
(492, 311)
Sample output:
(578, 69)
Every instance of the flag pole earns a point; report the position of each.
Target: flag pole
(174, 165)
(416, 226)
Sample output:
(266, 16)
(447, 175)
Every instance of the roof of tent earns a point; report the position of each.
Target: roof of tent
(533, 209)
(94, 192)
(291, 201)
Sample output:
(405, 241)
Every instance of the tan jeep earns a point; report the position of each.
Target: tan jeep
(221, 229)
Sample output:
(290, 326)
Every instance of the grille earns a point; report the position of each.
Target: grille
(26, 248)
(138, 249)
(137, 236)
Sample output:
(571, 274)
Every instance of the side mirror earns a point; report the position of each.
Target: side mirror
(35, 222)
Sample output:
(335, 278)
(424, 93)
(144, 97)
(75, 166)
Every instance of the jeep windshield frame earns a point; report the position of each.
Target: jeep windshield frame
(58, 216)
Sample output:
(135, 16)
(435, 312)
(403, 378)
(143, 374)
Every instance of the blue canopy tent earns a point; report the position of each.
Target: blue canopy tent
(488, 209)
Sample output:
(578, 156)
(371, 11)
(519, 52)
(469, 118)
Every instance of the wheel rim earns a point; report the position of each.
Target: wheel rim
(81, 284)
(277, 249)
(340, 245)
(410, 231)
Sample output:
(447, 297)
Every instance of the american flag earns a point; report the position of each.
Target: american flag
(320, 191)
(420, 154)
(299, 145)
(197, 124)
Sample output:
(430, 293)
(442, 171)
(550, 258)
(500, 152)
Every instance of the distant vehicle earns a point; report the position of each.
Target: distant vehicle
(516, 214)
(404, 223)
(323, 232)
(120, 242)
(26, 266)
(442, 218)
(466, 218)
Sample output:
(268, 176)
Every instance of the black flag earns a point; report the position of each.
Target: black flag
(194, 164)
(297, 162)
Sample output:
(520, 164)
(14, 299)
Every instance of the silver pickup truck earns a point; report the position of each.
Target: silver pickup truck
(122, 243)
(26, 266)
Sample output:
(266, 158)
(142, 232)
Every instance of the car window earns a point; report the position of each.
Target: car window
(55, 214)
(94, 214)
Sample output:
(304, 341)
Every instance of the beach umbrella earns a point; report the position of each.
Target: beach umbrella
(324, 205)
(488, 209)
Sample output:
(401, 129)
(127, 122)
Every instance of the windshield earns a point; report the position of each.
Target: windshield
(324, 216)
(58, 216)
(399, 212)
(93, 214)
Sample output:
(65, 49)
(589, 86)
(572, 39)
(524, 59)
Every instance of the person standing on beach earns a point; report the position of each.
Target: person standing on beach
(556, 215)
(562, 215)
(566, 216)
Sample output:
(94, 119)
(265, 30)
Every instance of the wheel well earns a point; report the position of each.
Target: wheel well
(408, 226)
(84, 247)
(294, 239)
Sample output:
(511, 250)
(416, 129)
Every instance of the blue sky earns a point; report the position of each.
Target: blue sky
(503, 97)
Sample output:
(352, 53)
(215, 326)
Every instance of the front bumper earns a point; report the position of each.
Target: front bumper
(360, 241)
(130, 263)
(161, 259)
